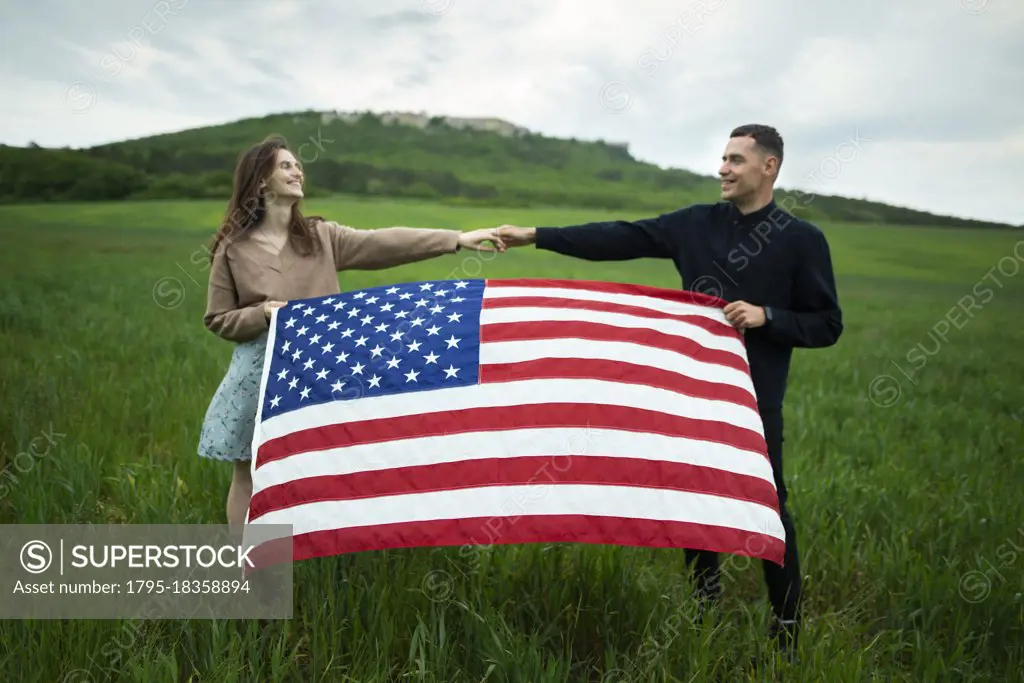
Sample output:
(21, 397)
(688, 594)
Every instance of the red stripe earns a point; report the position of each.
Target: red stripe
(269, 553)
(539, 529)
(503, 418)
(615, 371)
(522, 331)
(539, 470)
(681, 296)
(721, 329)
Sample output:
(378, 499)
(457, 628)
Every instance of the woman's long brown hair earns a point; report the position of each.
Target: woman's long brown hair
(247, 205)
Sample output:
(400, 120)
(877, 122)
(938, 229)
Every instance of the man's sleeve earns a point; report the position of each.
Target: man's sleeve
(611, 240)
(815, 320)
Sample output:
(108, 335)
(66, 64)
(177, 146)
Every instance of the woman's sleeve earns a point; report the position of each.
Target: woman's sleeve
(386, 247)
(223, 315)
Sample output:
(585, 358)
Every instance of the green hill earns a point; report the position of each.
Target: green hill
(484, 161)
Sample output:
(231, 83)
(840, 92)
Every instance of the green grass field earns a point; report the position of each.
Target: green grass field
(905, 476)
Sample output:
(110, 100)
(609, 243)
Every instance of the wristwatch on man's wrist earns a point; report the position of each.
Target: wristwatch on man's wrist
(767, 316)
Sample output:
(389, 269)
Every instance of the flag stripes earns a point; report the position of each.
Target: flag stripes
(657, 381)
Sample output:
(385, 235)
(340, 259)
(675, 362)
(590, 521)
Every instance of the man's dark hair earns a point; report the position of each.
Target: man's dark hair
(766, 137)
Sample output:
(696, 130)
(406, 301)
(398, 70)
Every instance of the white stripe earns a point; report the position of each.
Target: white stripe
(626, 352)
(264, 374)
(513, 501)
(639, 300)
(523, 392)
(564, 447)
(676, 328)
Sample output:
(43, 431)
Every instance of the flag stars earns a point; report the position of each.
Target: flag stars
(386, 346)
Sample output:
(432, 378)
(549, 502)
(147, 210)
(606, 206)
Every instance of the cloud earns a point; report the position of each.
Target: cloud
(933, 88)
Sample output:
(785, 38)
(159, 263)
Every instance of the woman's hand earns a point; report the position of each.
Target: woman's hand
(475, 239)
(269, 306)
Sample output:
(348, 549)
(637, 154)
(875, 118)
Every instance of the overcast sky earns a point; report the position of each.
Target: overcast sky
(914, 102)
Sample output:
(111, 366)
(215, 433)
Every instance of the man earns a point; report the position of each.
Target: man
(776, 272)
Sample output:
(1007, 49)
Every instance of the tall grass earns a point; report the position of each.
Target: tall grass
(905, 490)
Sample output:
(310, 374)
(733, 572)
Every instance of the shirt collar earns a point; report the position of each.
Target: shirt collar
(752, 218)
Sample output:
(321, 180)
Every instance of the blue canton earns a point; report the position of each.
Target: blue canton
(374, 342)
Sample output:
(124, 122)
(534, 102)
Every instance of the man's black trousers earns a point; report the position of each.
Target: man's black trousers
(784, 588)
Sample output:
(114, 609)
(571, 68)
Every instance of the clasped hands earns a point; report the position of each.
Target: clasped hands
(501, 238)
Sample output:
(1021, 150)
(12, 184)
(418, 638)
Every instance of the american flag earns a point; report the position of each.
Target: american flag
(483, 411)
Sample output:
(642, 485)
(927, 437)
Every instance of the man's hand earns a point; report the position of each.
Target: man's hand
(514, 236)
(742, 315)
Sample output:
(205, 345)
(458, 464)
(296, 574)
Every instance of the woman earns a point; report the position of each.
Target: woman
(265, 253)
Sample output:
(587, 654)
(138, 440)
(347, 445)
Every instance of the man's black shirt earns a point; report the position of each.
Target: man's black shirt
(767, 258)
